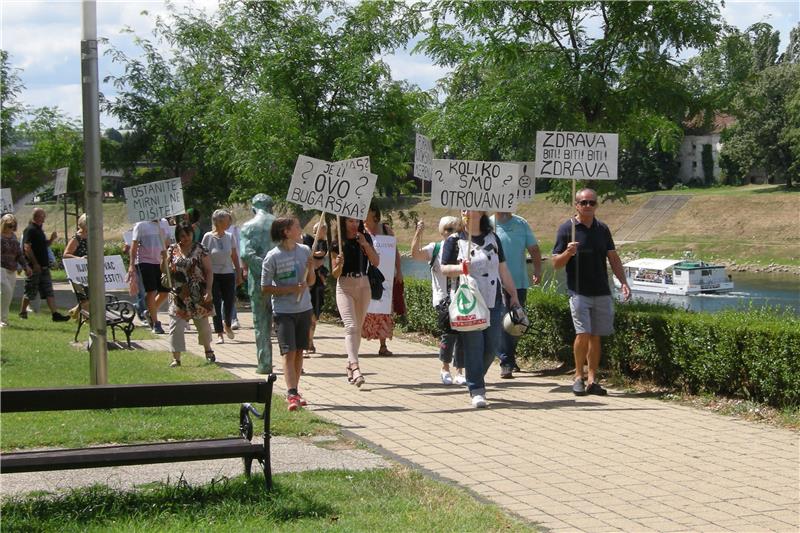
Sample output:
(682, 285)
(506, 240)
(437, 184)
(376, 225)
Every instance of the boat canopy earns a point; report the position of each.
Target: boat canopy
(653, 264)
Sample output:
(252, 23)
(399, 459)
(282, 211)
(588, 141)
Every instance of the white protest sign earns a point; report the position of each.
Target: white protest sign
(153, 201)
(61, 181)
(114, 271)
(6, 202)
(386, 246)
(478, 185)
(423, 158)
(331, 187)
(527, 183)
(127, 236)
(575, 155)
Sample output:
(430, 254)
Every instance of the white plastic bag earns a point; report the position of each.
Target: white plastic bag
(468, 310)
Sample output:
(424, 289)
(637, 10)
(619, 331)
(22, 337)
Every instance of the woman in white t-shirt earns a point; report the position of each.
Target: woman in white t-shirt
(227, 274)
(432, 253)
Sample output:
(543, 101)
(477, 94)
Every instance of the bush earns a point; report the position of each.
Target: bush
(751, 354)
(108, 249)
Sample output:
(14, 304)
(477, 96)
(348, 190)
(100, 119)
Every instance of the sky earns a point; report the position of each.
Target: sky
(43, 40)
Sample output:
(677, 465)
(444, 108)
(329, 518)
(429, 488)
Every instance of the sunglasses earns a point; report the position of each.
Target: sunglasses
(587, 202)
(450, 230)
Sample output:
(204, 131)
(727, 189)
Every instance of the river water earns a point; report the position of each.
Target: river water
(750, 289)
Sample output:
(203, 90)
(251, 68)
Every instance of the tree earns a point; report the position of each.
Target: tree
(248, 89)
(10, 108)
(765, 135)
(519, 67)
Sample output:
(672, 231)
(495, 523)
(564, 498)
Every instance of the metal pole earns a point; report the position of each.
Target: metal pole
(94, 194)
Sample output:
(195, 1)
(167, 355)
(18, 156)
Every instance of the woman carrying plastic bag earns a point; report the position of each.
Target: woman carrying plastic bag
(480, 263)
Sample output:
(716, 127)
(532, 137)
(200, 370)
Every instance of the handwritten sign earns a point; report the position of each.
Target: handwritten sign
(127, 236)
(423, 158)
(527, 183)
(331, 187)
(61, 181)
(153, 201)
(113, 271)
(6, 202)
(478, 185)
(573, 155)
(386, 246)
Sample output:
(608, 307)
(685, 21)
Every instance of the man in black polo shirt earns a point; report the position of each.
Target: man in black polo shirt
(587, 283)
(34, 244)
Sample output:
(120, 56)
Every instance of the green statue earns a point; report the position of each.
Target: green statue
(255, 243)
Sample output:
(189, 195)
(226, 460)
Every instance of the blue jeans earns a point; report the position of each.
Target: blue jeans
(508, 343)
(480, 349)
(450, 348)
(140, 305)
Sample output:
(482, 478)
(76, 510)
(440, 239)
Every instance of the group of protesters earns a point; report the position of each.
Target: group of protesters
(199, 273)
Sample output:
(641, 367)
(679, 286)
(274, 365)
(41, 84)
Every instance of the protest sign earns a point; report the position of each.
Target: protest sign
(154, 201)
(61, 181)
(6, 202)
(423, 158)
(386, 246)
(127, 236)
(331, 187)
(575, 155)
(478, 185)
(114, 272)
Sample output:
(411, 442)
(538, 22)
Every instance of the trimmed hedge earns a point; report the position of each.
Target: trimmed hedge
(109, 249)
(750, 354)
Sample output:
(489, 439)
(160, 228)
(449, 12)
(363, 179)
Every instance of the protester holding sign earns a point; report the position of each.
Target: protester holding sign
(147, 246)
(287, 272)
(381, 325)
(587, 284)
(12, 260)
(477, 252)
(449, 348)
(227, 274)
(190, 298)
(349, 260)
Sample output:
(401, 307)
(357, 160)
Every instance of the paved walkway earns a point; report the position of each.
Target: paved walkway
(618, 463)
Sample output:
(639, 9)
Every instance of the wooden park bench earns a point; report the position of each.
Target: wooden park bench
(155, 395)
(119, 313)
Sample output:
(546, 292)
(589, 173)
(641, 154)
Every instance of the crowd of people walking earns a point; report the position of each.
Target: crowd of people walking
(287, 276)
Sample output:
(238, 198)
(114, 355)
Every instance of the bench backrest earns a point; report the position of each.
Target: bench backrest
(149, 395)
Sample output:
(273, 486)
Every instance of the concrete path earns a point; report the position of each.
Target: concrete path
(618, 463)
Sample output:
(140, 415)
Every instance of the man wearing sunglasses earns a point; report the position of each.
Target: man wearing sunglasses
(587, 284)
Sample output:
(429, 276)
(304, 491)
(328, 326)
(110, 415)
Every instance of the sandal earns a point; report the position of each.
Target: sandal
(210, 357)
(175, 363)
(355, 377)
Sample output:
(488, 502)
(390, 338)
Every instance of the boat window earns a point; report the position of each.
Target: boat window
(678, 272)
(706, 273)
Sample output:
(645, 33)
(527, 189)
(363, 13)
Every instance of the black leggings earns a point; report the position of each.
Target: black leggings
(224, 293)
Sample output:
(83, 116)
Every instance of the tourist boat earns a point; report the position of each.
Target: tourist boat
(676, 276)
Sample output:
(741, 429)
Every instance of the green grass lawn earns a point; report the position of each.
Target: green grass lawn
(37, 353)
(385, 500)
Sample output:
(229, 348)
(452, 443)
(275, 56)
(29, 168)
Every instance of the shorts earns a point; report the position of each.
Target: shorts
(40, 283)
(151, 277)
(592, 314)
(292, 330)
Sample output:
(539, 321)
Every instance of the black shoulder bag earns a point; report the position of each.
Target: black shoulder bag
(375, 276)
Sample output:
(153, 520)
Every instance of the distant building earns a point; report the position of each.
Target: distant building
(696, 136)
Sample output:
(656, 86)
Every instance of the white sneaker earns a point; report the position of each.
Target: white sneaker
(479, 401)
(220, 340)
(447, 379)
(460, 379)
(235, 324)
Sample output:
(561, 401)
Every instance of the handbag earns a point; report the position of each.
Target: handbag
(443, 316)
(376, 280)
(468, 310)
(166, 275)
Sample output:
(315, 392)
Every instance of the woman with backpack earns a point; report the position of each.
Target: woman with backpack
(477, 252)
(440, 287)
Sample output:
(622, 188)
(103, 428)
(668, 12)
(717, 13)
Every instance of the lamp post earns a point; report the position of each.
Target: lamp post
(98, 354)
